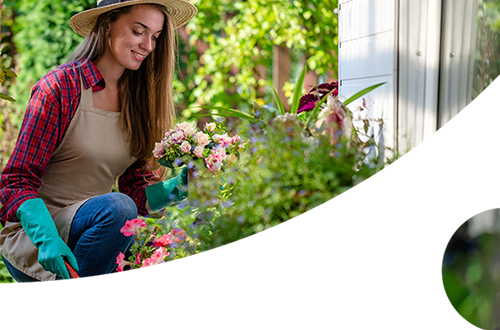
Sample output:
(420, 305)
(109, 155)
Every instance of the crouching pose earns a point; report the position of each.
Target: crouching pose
(89, 123)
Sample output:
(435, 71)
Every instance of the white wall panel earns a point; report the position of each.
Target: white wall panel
(419, 53)
(367, 52)
(459, 35)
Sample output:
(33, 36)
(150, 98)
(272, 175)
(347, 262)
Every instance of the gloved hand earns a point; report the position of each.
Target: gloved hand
(41, 230)
(166, 193)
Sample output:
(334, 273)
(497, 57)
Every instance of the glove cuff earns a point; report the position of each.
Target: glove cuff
(166, 193)
(34, 216)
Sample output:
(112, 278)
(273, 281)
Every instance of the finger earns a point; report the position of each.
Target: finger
(63, 271)
(70, 257)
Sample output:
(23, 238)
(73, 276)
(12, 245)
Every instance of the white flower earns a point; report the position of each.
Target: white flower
(186, 128)
(201, 139)
(159, 150)
(198, 151)
(210, 127)
(220, 152)
(185, 147)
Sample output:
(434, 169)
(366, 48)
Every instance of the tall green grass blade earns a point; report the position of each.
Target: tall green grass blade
(221, 111)
(297, 93)
(362, 92)
(281, 108)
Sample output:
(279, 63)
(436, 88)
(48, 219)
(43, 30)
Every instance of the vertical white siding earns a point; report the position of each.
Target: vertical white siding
(419, 54)
(457, 61)
(367, 30)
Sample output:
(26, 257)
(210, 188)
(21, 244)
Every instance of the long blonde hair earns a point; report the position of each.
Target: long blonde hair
(146, 95)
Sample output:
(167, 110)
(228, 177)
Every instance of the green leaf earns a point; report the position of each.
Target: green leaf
(297, 93)
(9, 73)
(6, 97)
(363, 92)
(281, 108)
(221, 111)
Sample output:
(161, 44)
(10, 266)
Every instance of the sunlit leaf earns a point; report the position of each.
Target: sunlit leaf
(220, 111)
(297, 93)
(6, 97)
(362, 92)
(9, 73)
(281, 108)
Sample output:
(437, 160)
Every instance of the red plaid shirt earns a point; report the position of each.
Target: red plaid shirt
(54, 100)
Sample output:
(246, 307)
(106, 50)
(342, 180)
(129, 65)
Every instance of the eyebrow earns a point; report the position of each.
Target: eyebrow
(145, 26)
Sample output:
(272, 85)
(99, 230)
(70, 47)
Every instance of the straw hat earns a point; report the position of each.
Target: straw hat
(180, 11)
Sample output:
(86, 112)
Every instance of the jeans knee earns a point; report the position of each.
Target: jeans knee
(122, 207)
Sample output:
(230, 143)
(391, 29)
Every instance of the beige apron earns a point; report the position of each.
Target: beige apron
(92, 154)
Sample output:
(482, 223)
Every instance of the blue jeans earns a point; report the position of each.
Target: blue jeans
(95, 237)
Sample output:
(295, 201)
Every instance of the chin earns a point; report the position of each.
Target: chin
(133, 66)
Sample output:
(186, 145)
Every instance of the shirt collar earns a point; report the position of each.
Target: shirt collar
(90, 75)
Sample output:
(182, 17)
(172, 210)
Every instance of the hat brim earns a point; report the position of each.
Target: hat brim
(179, 11)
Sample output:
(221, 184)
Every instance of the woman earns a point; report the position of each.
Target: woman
(89, 122)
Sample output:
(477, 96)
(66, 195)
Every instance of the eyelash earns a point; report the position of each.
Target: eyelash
(140, 34)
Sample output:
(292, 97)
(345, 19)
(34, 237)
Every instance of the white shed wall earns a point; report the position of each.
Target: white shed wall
(367, 50)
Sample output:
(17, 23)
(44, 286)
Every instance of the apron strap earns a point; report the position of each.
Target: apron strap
(86, 99)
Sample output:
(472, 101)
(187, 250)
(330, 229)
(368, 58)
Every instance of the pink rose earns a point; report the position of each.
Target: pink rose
(185, 147)
(210, 127)
(213, 162)
(220, 152)
(225, 140)
(201, 139)
(177, 137)
(132, 226)
(198, 151)
(186, 128)
(159, 151)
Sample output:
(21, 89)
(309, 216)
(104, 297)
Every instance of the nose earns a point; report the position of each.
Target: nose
(148, 45)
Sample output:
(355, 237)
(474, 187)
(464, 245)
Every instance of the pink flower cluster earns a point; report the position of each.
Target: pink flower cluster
(144, 254)
(213, 145)
(176, 235)
(132, 227)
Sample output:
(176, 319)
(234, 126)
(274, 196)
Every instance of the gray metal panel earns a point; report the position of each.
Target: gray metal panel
(418, 71)
(367, 55)
(457, 61)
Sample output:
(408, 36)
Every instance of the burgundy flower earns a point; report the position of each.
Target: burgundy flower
(309, 100)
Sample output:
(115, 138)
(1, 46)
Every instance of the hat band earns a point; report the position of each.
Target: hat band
(109, 2)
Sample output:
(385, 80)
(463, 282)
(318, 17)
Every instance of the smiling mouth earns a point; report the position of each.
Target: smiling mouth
(139, 56)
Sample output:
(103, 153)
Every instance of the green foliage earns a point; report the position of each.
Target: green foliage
(240, 37)
(8, 115)
(470, 276)
(43, 39)
(282, 174)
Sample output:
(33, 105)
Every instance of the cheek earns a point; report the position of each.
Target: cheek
(117, 40)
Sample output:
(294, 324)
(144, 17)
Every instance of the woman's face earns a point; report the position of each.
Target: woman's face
(133, 36)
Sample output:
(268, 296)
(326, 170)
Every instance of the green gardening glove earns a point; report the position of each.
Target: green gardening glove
(166, 193)
(41, 230)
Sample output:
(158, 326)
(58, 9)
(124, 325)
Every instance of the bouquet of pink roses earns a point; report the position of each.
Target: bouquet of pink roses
(184, 143)
(148, 249)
